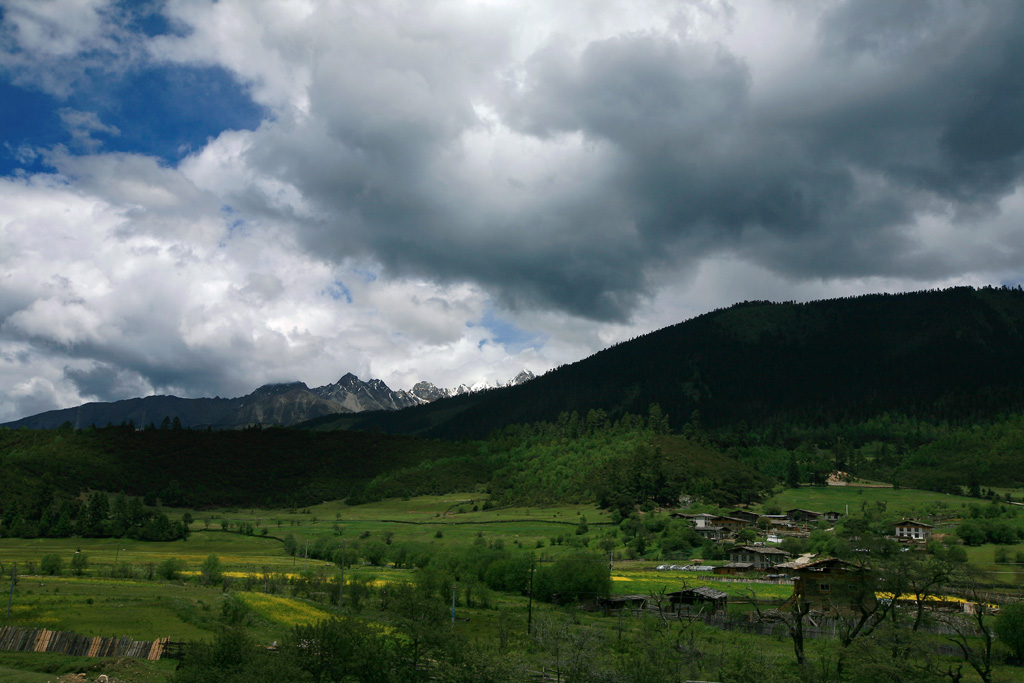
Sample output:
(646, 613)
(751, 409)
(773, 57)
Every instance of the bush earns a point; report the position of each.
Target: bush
(121, 570)
(581, 576)
(51, 565)
(1010, 629)
(210, 573)
(170, 569)
(79, 561)
(375, 553)
(234, 611)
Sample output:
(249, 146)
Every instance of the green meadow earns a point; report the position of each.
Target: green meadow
(905, 502)
(147, 606)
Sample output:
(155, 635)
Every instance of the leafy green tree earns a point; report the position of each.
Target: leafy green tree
(972, 532)
(79, 563)
(581, 576)
(1010, 629)
(210, 573)
(51, 564)
(171, 568)
(792, 472)
(233, 657)
(375, 553)
(290, 544)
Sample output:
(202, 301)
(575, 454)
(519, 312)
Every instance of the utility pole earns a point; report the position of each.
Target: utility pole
(453, 604)
(305, 556)
(10, 598)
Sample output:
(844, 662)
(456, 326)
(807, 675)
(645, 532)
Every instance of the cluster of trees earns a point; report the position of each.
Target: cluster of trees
(54, 516)
(624, 464)
(200, 469)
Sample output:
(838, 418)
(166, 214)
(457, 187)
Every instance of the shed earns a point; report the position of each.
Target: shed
(698, 595)
(612, 603)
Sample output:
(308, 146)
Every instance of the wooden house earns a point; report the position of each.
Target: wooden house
(734, 568)
(803, 516)
(912, 530)
(751, 518)
(762, 557)
(831, 584)
(731, 524)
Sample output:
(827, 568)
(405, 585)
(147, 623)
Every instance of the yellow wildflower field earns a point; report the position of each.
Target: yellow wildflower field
(284, 610)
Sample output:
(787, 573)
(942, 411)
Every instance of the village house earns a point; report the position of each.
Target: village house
(731, 524)
(912, 530)
(733, 568)
(830, 584)
(803, 516)
(760, 557)
(714, 527)
(700, 520)
(790, 565)
(751, 518)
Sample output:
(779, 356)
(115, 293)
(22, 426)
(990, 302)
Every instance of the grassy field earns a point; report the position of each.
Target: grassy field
(905, 502)
(184, 610)
(417, 520)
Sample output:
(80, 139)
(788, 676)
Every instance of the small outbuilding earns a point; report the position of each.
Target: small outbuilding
(612, 603)
(699, 595)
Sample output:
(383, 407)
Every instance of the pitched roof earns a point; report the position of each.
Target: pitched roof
(913, 522)
(761, 550)
(702, 591)
(829, 562)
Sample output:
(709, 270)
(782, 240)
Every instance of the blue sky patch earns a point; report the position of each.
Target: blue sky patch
(338, 290)
(513, 338)
(167, 112)
(147, 17)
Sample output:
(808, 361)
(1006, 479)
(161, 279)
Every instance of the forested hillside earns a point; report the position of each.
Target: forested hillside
(255, 467)
(921, 390)
(770, 369)
(581, 459)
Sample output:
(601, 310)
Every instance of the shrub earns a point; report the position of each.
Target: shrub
(121, 570)
(580, 576)
(51, 565)
(170, 569)
(79, 561)
(210, 572)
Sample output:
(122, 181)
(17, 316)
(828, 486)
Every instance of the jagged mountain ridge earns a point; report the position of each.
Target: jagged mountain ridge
(272, 404)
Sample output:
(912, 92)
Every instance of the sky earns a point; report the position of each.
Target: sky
(199, 197)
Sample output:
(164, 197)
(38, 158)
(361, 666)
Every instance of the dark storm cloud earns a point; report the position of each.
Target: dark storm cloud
(105, 382)
(898, 107)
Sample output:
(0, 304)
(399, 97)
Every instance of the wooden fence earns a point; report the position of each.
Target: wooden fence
(16, 639)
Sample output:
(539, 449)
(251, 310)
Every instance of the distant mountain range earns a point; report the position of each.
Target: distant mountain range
(272, 404)
(953, 357)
